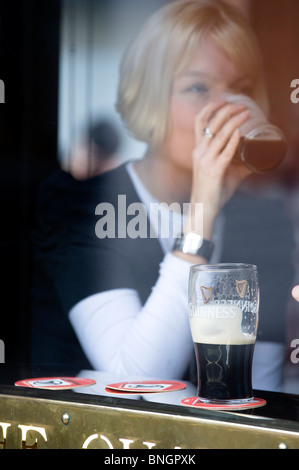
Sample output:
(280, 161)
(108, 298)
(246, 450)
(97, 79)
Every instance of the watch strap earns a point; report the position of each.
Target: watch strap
(194, 244)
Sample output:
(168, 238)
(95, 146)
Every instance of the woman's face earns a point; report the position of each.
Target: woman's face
(209, 74)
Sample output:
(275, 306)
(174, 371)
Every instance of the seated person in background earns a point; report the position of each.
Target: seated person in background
(109, 299)
(96, 154)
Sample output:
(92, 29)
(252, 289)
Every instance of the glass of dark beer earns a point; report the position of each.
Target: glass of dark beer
(223, 314)
(263, 145)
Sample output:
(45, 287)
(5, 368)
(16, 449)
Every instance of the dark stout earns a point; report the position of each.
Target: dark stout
(261, 155)
(224, 371)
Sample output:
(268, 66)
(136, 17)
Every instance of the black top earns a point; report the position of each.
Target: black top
(72, 262)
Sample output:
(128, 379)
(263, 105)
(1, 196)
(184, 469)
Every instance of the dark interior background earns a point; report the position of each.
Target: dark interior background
(29, 45)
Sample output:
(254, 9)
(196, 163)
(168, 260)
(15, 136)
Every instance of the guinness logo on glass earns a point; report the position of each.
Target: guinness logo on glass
(206, 293)
(241, 288)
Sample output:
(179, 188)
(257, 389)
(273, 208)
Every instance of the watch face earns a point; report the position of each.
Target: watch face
(193, 242)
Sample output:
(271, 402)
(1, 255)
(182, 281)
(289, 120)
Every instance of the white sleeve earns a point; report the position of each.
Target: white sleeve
(119, 335)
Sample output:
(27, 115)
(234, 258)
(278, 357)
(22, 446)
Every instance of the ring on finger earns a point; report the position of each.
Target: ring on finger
(208, 133)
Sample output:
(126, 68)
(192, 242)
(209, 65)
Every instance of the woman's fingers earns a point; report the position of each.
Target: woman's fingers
(219, 144)
(214, 179)
(220, 147)
(295, 293)
(203, 118)
(224, 116)
(214, 116)
(231, 146)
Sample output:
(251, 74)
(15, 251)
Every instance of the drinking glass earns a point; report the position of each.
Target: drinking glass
(263, 145)
(223, 314)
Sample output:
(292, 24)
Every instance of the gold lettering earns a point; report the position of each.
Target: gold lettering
(126, 443)
(4, 427)
(149, 445)
(96, 436)
(25, 429)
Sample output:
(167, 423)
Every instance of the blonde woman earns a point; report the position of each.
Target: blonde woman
(126, 297)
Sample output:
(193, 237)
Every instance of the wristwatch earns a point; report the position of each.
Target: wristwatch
(194, 244)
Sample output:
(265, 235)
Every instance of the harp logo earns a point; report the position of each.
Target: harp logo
(206, 293)
(241, 288)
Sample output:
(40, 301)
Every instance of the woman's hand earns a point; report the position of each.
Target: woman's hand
(215, 178)
(295, 293)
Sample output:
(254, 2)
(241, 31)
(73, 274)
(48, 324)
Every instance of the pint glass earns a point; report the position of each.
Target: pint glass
(223, 314)
(263, 146)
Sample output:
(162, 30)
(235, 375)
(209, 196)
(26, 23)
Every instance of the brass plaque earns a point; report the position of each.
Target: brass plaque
(29, 422)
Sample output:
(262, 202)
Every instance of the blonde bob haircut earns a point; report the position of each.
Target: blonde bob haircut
(165, 47)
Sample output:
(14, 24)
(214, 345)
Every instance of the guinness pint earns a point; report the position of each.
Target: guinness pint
(223, 314)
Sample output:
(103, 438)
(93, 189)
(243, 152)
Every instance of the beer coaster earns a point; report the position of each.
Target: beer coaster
(55, 383)
(119, 392)
(146, 386)
(197, 403)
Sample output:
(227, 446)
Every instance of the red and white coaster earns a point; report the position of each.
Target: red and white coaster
(195, 402)
(145, 386)
(55, 383)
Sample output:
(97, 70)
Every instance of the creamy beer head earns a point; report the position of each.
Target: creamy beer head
(218, 324)
(223, 316)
